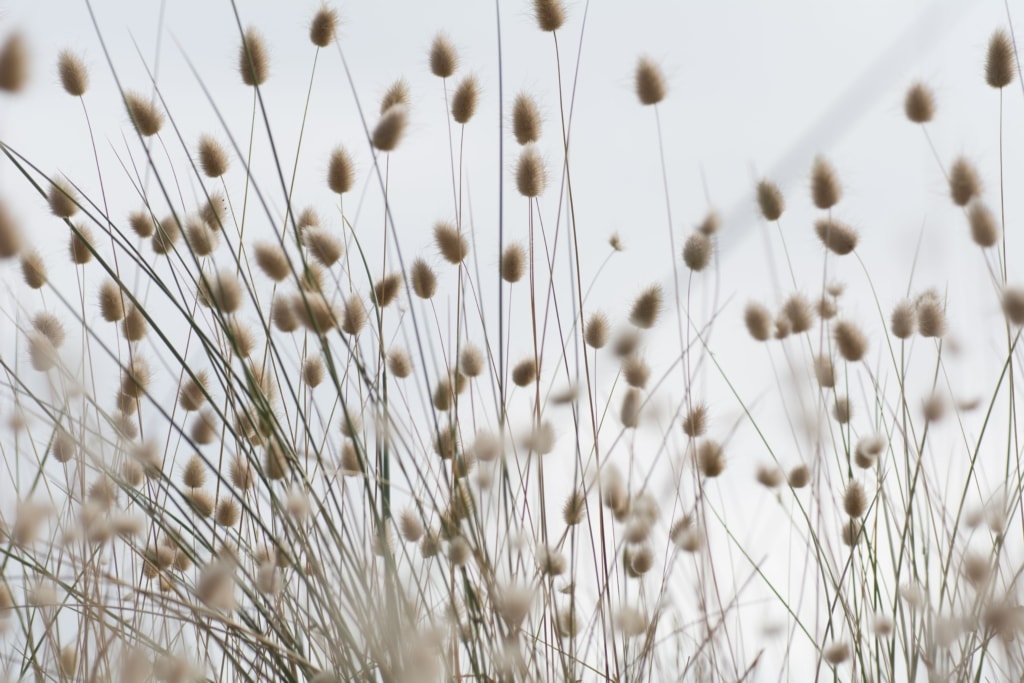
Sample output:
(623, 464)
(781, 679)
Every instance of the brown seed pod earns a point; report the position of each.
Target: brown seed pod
(1000, 67)
(919, 104)
(770, 200)
(513, 263)
(838, 237)
(649, 82)
(340, 171)
(14, 63)
(550, 14)
(964, 183)
(850, 341)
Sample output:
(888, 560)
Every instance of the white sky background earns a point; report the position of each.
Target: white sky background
(755, 89)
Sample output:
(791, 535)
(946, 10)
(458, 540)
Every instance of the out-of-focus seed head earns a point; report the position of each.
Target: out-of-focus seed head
(253, 60)
(850, 341)
(825, 188)
(74, 77)
(147, 119)
(471, 361)
(855, 502)
(636, 372)
(135, 325)
(697, 251)
(799, 313)
(272, 260)
(323, 246)
(193, 391)
(49, 325)
(513, 262)
(826, 308)
(524, 372)
(464, 99)
(550, 14)
(390, 128)
(646, 307)
(399, 363)
(1012, 300)
(200, 239)
(33, 269)
(424, 281)
(964, 183)
(323, 27)
(166, 235)
(353, 316)
(10, 233)
(221, 291)
(695, 423)
(903, 321)
(931, 315)
(838, 237)
(450, 242)
(525, 119)
(836, 653)
(710, 458)
(1000, 67)
(919, 104)
(444, 60)
(770, 200)
(386, 290)
(531, 178)
(630, 412)
(649, 82)
(769, 476)
(397, 95)
(841, 409)
(212, 157)
(758, 320)
(799, 476)
(595, 332)
(63, 199)
(80, 246)
(340, 171)
(984, 227)
(14, 63)
(824, 371)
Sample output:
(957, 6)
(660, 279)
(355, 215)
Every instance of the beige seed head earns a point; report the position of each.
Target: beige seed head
(390, 128)
(710, 459)
(649, 82)
(574, 508)
(353, 316)
(550, 14)
(838, 237)
(799, 313)
(241, 473)
(855, 502)
(63, 447)
(1000, 67)
(646, 307)
(63, 199)
(464, 100)
(903, 321)
(825, 189)
(984, 228)
(42, 353)
(200, 239)
(111, 303)
(341, 171)
(193, 475)
(14, 63)
(695, 423)
(931, 315)
(323, 27)
(323, 246)
(919, 104)
(443, 58)
(166, 235)
(452, 245)
(595, 332)
(220, 291)
(399, 363)
(80, 245)
(313, 371)
(10, 233)
(850, 341)
(531, 177)
(799, 476)
(636, 372)
(826, 308)
(228, 513)
(770, 200)
(314, 312)
(49, 325)
(283, 313)
(212, 157)
(135, 325)
(524, 372)
(697, 251)
(33, 269)
(67, 661)
(525, 119)
(424, 281)
(1012, 300)
(615, 242)
(841, 409)
(193, 391)
(410, 525)
(201, 502)
(471, 361)
(387, 289)
(513, 262)
(836, 653)
(272, 260)
(630, 411)
(769, 476)
(782, 326)
(253, 61)
(135, 379)
(73, 75)
(397, 95)
(824, 371)
(144, 115)
(213, 211)
(758, 320)
(641, 560)
(142, 223)
(964, 183)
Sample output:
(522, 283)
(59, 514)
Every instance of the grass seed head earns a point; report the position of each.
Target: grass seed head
(824, 371)
(200, 239)
(825, 188)
(253, 60)
(166, 235)
(228, 513)
(513, 263)
(471, 361)
(1000, 67)
(323, 27)
(353, 316)
(323, 246)
(386, 290)
(74, 77)
(410, 525)
(695, 423)
(550, 14)
(758, 320)
(212, 157)
(630, 412)
(841, 410)
(838, 237)
(10, 233)
(964, 183)
(524, 372)
(903, 321)
(282, 312)
(397, 95)
(399, 363)
(450, 242)
(525, 119)
(272, 260)
(769, 476)
(799, 476)
(390, 128)
(984, 228)
(574, 508)
(649, 82)
(220, 291)
(595, 332)
(799, 313)
(646, 307)
(836, 653)
(531, 177)
(464, 100)
(1012, 300)
(850, 341)
(142, 223)
(14, 63)
(340, 171)
(147, 119)
(134, 327)
(444, 60)
(80, 245)
(33, 269)
(193, 391)
(697, 251)
(710, 458)
(636, 372)
(770, 200)
(50, 326)
(63, 199)
(193, 475)
(313, 371)
(931, 315)
(919, 103)
(424, 281)
(855, 502)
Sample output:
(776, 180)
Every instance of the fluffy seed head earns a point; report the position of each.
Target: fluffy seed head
(193, 475)
(649, 82)
(799, 313)
(850, 341)
(135, 379)
(826, 308)
(711, 224)
(33, 269)
(340, 171)
(530, 174)
(525, 119)
(323, 27)
(984, 228)
(390, 128)
(824, 371)
(825, 188)
(1012, 300)
(630, 412)
(626, 342)
(841, 410)
(836, 653)
(964, 183)
(903, 320)
(314, 312)
(410, 526)
(14, 61)
(193, 391)
(79, 247)
(386, 290)
(919, 104)
(710, 459)
(464, 100)
(200, 239)
(282, 312)
(63, 199)
(396, 95)
(769, 476)
(73, 74)
(221, 291)
(636, 372)
(646, 307)
(931, 316)
(471, 361)
(142, 223)
(111, 303)
(49, 325)
(696, 421)
(135, 325)
(41, 353)
(64, 447)
(323, 246)
(212, 157)
(758, 320)
(399, 363)
(838, 237)
(443, 58)
(424, 282)
(697, 251)
(513, 262)
(799, 476)
(452, 245)
(1000, 68)
(10, 233)
(855, 502)
(147, 119)
(550, 14)
(353, 317)
(524, 372)
(166, 235)
(253, 63)
(272, 260)
(770, 200)
(595, 332)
